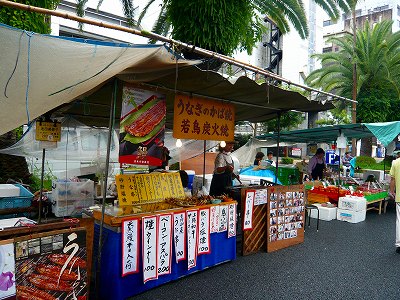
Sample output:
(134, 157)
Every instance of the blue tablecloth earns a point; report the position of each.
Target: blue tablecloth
(113, 286)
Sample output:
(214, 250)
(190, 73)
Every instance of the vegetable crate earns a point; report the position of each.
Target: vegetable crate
(23, 200)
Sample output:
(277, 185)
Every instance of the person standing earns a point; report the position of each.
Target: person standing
(223, 171)
(394, 192)
(270, 159)
(316, 165)
(259, 157)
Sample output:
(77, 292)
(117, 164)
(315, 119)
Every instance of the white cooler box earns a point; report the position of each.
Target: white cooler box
(351, 216)
(325, 213)
(352, 203)
(8, 190)
(69, 198)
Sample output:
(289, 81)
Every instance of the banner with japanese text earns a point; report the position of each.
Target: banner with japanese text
(203, 119)
(142, 127)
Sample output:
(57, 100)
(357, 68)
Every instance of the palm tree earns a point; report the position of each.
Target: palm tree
(376, 54)
(226, 26)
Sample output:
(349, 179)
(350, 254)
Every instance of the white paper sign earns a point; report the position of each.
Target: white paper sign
(231, 220)
(261, 197)
(214, 218)
(180, 236)
(130, 247)
(223, 218)
(149, 239)
(248, 211)
(7, 270)
(204, 232)
(192, 233)
(164, 244)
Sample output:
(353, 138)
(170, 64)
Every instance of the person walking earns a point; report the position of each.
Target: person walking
(394, 192)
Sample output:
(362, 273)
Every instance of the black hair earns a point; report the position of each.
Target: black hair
(319, 151)
(259, 155)
(184, 178)
(270, 152)
(347, 152)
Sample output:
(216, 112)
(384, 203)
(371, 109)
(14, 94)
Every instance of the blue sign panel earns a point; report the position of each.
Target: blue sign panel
(331, 158)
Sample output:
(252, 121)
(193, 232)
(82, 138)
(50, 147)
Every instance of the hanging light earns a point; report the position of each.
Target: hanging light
(178, 143)
(341, 141)
(222, 144)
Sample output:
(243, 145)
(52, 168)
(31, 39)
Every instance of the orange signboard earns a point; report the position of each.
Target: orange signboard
(203, 119)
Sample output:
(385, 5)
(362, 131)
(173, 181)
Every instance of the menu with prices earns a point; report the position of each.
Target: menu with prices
(248, 210)
(180, 236)
(204, 231)
(192, 233)
(130, 246)
(286, 216)
(261, 197)
(150, 242)
(164, 244)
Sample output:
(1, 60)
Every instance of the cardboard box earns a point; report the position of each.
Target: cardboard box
(352, 203)
(351, 216)
(325, 213)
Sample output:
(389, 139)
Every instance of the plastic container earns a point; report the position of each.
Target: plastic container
(351, 216)
(352, 203)
(325, 213)
(9, 190)
(191, 174)
(24, 199)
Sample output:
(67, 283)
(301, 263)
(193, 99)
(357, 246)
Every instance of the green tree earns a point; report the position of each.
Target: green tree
(226, 26)
(377, 58)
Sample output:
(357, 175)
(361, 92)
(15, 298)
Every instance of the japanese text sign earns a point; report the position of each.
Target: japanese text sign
(130, 246)
(204, 231)
(203, 119)
(149, 238)
(164, 244)
(248, 210)
(214, 218)
(48, 131)
(146, 188)
(231, 220)
(223, 218)
(192, 233)
(179, 236)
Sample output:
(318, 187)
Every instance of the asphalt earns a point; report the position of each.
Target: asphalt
(340, 261)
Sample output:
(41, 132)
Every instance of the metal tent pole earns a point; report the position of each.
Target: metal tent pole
(41, 187)
(277, 145)
(103, 202)
(204, 162)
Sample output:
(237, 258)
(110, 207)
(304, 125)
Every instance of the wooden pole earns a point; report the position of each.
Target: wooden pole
(177, 44)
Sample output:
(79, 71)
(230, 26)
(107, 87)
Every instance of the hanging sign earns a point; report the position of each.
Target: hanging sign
(248, 210)
(214, 218)
(192, 233)
(203, 119)
(231, 220)
(48, 131)
(7, 268)
(164, 244)
(179, 236)
(144, 188)
(204, 231)
(130, 246)
(223, 218)
(149, 239)
(142, 127)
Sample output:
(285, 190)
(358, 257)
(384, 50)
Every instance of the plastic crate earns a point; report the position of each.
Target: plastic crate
(23, 200)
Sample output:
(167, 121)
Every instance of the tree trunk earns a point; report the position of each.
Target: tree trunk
(366, 147)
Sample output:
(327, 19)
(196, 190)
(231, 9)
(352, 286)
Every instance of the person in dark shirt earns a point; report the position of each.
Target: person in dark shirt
(259, 157)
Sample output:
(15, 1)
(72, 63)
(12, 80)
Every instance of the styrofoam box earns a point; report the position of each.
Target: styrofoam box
(352, 203)
(325, 213)
(351, 216)
(9, 190)
(198, 182)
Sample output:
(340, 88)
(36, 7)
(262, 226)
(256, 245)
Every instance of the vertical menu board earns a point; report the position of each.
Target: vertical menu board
(147, 188)
(285, 226)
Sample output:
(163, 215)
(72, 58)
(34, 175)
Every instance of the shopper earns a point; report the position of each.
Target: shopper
(346, 159)
(394, 192)
(259, 157)
(316, 165)
(223, 171)
(270, 158)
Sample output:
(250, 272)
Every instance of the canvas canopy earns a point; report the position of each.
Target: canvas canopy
(42, 73)
(385, 132)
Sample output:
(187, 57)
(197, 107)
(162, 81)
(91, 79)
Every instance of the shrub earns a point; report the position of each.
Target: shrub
(365, 162)
(287, 160)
